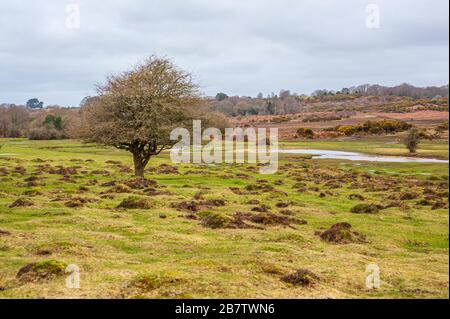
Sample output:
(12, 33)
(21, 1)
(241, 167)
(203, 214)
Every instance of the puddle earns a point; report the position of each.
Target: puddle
(353, 156)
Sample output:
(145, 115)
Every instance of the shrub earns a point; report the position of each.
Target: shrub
(44, 270)
(55, 121)
(412, 140)
(305, 132)
(221, 96)
(315, 118)
(212, 219)
(46, 133)
(280, 119)
(134, 202)
(341, 233)
(374, 128)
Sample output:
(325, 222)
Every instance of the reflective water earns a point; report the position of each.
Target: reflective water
(353, 156)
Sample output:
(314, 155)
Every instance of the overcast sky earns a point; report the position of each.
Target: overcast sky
(240, 47)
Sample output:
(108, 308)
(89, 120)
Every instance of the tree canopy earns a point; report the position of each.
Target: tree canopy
(221, 96)
(137, 110)
(54, 121)
(35, 104)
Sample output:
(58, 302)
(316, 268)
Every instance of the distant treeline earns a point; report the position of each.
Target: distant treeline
(405, 90)
(346, 99)
(56, 122)
(38, 123)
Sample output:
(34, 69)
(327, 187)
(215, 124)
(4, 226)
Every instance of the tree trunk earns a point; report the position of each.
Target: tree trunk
(139, 165)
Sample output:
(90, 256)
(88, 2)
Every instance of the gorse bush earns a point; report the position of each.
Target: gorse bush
(305, 132)
(374, 127)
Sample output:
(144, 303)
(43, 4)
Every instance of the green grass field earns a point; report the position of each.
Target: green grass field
(190, 244)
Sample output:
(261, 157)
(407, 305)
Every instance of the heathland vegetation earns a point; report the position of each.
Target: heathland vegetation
(220, 230)
(71, 194)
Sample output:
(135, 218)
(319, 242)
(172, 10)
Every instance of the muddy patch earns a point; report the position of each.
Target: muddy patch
(164, 169)
(356, 197)
(283, 204)
(237, 191)
(113, 162)
(365, 209)
(32, 192)
(125, 169)
(79, 201)
(408, 196)
(19, 170)
(133, 202)
(22, 202)
(140, 183)
(261, 209)
(109, 184)
(4, 233)
(301, 277)
(440, 205)
(155, 192)
(259, 188)
(61, 170)
(195, 206)
(118, 188)
(269, 219)
(101, 172)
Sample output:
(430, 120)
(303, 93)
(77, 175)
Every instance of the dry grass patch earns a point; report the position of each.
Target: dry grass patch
(41, 271)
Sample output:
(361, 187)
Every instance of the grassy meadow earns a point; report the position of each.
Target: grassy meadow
(220, 231)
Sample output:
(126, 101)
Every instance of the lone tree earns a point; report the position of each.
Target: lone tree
(412, 140)
(137, 110)
(35, 104)
(221, 96)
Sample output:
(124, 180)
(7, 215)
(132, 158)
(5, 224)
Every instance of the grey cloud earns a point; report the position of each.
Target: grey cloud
(239, 47)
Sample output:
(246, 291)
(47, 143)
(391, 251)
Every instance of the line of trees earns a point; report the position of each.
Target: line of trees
(286, 102)
(39, 123)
